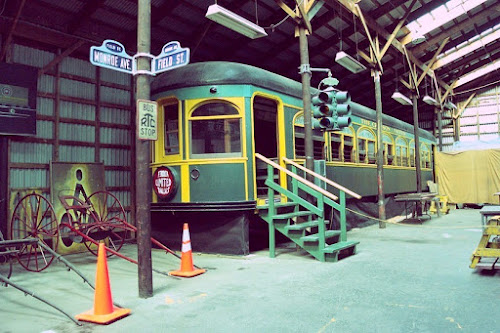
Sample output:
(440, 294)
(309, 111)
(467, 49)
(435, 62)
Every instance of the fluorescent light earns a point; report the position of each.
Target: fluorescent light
(450, 106)
(430, 100)
(234, 22)
(399, 97)
(417, 37)
(349, 62)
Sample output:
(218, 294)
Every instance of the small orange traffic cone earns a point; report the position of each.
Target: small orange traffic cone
(103, 312)
(187, 267)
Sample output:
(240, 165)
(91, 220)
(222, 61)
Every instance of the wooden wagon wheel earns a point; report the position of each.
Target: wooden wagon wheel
(34, 217)
(108, 214)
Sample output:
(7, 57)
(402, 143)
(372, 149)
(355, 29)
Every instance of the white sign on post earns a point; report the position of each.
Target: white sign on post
(147, 116)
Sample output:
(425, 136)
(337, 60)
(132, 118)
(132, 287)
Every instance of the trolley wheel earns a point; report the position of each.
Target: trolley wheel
(108, 215)
(34, 217)
(113, 235)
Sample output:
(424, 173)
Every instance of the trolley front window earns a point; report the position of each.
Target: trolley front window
(171, 116)
(215, 131)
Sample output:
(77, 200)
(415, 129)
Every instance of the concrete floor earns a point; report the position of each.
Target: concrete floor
(403, 279)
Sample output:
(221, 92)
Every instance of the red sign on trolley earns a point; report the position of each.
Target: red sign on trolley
(164, 183)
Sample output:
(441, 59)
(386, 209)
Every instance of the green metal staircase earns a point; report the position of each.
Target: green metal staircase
(302, 221)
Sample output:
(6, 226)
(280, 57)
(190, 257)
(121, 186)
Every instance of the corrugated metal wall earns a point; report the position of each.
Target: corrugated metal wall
(84, 115)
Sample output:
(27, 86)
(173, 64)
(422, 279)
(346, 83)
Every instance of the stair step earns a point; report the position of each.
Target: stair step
(339, 246)
(278, 205)
(304, 225)
(292, 214)
(315, 237)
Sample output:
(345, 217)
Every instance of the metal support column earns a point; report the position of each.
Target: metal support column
(440, 127)
(4, 184)
(456, 129)
(380, 150)
(306, 98)
(143, 174)
(417, 144)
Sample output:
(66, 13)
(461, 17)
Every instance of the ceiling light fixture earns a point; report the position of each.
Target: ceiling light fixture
(417, 37)
(399, 97)
(234, 22)
(450, 106)
(349, 62)
(430, 100)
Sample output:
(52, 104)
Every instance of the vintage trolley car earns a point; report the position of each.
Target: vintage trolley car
(213, 118)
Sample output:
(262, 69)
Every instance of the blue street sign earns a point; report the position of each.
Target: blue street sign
(112, 55)
(171, 56)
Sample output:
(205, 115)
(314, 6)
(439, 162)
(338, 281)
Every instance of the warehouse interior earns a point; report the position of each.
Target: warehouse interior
(440, 57)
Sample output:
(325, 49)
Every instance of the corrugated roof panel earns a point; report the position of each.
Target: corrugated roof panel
(116, 96)
(78, 89)
(78, 67)
(27, 152)
(117, 178)
(77, 111)
(45, 106)
(115, 136)
(109, 75)
(115, 157)
(76, 132)
(73, 6)
(30, 56)
(44, 129)
(45, 83)
(29, 178)
(76, 154)
(114, 19)
(127, 7)
(115, 116)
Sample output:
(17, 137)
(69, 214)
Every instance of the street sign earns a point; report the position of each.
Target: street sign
(111, 54)
(171, 56)
(147, 116)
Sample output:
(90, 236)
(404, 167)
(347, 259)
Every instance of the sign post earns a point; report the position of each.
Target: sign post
(147, 115)
(112, 55)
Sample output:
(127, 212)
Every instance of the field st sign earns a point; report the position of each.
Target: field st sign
(171, 56)
(111, 54)
(147, 116)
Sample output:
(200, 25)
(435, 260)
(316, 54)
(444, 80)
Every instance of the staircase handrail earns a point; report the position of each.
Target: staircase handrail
(320, 177)
(297, 177)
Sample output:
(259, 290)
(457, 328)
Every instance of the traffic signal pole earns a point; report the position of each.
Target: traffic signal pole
(380, 150)
(306, 98)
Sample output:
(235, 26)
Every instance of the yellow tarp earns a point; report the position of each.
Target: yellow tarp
(470, 176)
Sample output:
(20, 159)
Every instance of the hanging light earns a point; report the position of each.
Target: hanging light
(400, 98)
(234, 22)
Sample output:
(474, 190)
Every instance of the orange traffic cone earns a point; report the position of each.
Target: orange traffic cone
(103, 312)
(187, 267)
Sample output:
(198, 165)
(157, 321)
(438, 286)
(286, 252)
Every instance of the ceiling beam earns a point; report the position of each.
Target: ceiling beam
(372, 24)
(12, 28)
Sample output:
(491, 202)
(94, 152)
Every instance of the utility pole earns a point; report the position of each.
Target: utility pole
(306, 98)
(380, 150)
(143, 174)
(417, 143)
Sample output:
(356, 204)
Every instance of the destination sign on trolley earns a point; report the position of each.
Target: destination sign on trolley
(171, 56)
(111, 54)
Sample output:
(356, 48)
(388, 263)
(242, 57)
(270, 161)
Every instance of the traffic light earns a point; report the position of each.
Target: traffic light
(330, 110)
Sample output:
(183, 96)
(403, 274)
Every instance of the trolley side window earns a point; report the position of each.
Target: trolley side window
(426, 156)
(412, 153)
(342, 145)
(366, 147)
(401, 152)
(318, 143)
(171, 117)
(215, 131)
(336, 146)
(388, 150)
